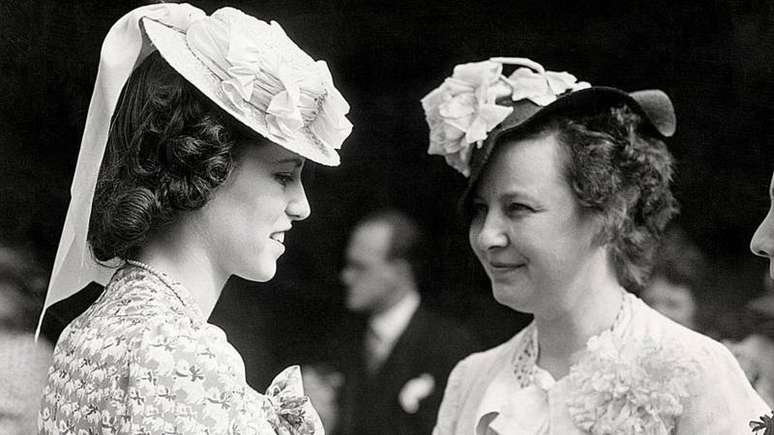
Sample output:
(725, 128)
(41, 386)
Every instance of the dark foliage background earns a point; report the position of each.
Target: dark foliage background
(715, 58)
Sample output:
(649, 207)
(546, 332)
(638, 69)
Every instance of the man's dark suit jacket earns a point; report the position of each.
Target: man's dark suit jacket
(430, 344)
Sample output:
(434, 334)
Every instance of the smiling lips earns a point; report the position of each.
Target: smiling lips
(497, 266)
(278, 237)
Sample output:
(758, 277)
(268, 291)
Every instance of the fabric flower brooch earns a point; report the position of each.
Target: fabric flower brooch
(293, 413)
(464, 109)
(629, 387)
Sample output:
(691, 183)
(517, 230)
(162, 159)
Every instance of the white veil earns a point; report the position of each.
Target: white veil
(124, 48)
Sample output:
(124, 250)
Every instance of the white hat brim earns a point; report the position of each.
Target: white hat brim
(173, 47)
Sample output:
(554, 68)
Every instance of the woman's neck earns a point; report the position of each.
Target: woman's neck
(185, 260)
(591, 308)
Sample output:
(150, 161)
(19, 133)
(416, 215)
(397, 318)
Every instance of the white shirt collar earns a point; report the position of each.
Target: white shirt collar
(390, 324)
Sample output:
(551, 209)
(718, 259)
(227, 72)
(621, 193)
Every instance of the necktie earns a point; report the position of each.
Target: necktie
(375, 349)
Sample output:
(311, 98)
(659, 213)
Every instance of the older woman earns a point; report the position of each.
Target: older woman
(205, 123)
(568, 193)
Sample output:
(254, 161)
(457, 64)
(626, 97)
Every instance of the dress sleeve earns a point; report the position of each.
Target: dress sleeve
(449, 411)
(721, 399)
(190, 380)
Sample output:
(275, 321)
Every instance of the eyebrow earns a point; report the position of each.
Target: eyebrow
(510, 195)
(294, 160)
(517, 194)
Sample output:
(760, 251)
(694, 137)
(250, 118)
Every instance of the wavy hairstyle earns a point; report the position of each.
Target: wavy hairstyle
(169, 148)
(620, 170)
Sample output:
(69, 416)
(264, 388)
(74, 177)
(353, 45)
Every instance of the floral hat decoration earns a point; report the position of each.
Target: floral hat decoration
(478, 104)
(248, 67)
(257, 74)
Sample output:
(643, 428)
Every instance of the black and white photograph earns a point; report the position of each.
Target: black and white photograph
(342, 217)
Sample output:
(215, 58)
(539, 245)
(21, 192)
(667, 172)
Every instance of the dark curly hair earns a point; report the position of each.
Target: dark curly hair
(169, 148)
(620, 170)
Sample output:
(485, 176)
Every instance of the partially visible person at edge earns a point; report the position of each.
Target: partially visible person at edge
(395, 375)
(568, 194)
(756, 351)
(201, 180)
(678, 277)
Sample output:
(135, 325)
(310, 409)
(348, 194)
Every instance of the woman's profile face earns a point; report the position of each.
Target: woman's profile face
(247, 219)
(762, 243)
(528, 230)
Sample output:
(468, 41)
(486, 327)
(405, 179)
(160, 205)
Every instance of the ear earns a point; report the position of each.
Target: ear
(402, 267)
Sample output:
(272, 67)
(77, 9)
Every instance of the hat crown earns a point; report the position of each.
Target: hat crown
(257, 74)
(260, 66)
(478, 104)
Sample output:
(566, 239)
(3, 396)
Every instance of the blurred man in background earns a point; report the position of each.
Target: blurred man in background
(396, 377)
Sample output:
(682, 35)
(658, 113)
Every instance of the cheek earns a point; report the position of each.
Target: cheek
(472, 240)
(473, 232)
(573, 242)
(263, 212)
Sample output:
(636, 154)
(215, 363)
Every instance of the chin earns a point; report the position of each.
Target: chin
(510, 297)
(262, 271)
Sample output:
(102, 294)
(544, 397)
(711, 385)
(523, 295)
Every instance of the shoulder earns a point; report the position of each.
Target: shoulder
(133, 292)
(707, 357)
(133, 316)
(476, 370)
(719, 399)
(706, 353)
(480, 365)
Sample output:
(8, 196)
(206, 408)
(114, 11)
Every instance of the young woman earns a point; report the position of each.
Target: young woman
(200, 180)
(568, 194)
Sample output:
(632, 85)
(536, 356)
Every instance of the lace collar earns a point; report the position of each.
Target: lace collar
(524, 361)
(621, 382)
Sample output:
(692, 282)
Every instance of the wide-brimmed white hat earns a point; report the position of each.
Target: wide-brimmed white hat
(253, 71)
(248, 67)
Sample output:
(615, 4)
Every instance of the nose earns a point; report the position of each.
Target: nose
(488, 232)
(345, 276)
(762, 243)
(298, 208)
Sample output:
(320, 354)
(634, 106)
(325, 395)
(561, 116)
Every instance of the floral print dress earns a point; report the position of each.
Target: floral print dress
(143, 360)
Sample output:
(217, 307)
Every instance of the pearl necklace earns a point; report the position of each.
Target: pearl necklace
(165, 279)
